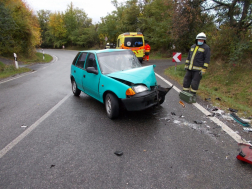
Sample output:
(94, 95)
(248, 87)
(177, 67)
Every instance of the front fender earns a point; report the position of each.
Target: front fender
(110, 84)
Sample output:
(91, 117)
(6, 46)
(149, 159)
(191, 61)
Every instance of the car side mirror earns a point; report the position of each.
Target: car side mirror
(92, 70)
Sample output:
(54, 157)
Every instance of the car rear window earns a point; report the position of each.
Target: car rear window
(133, 42)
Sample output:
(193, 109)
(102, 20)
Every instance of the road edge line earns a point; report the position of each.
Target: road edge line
(224, 127)
(32, 127)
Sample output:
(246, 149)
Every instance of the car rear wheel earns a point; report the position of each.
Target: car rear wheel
(112, 105)
(75, 89)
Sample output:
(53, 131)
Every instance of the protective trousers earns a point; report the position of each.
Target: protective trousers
(192, 79)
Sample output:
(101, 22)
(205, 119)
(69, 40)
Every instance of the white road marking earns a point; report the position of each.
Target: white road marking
(22, 75)
(32, 127)
(228, 130)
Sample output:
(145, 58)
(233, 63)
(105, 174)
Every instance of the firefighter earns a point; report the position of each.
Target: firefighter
(196, 64)
(147, 51)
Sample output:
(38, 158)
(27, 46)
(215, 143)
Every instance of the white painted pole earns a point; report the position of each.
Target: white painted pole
(43, 54)
(16, 62)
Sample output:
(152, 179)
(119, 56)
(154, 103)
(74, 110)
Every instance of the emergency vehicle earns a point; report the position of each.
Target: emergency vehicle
(133, 41)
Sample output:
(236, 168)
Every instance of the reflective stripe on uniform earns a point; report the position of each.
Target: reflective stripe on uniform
(186, 89)
(191, 62)
(205, 64)
(201, 50)
(194, 90)
(196, 68)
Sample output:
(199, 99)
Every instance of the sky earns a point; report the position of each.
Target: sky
(93, 8)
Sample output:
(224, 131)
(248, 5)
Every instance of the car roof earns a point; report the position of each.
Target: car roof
(104, 50)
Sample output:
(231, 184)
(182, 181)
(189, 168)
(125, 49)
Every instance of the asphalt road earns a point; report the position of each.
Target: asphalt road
(52, 139)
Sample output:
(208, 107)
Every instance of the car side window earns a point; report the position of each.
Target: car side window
(91, 62)
(81, 60)
(74, 61)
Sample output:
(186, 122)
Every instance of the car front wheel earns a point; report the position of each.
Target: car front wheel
(112, 105)
(75, 89)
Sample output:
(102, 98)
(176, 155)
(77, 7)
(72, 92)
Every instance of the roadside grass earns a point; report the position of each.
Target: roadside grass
(10, 70)
(226, 85)
(37, 58)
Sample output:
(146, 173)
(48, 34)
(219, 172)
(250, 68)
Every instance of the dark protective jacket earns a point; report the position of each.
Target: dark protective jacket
(198, 57)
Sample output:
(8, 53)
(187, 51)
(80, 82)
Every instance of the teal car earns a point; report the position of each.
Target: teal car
(116, 78)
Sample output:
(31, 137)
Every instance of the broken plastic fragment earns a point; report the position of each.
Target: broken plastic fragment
(198, 122)
(180, 102)
(245, 153)
(247, 129)
(52, 166)
(215, 109)
(207, 99)
(211, 115)
(172, 113)
(118, 153)
(239, 120)
(218, 99)
(232, 110)
(23, 126)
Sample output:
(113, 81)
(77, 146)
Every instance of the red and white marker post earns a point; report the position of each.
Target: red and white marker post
(176, 57)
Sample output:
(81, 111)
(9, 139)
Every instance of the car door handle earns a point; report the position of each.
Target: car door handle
(84, 76)
(74, 71)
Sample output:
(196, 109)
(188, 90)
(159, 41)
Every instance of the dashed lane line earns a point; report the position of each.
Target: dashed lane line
(227, 129)
(32, 127)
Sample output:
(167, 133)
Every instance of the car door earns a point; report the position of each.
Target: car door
(91, 80)
(79, 69)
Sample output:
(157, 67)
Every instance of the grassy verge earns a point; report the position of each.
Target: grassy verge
(227, 86)
(38, 58)
(10, 70)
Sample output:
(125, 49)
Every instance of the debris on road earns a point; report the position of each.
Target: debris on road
(173, 113)
(245, 153)
(180, 102)
(198, 122)
(247, 129)
(52, 166)
(207, 99)
(232, 110)
(118, 153)
(239, 120)
(23, 126)
(211, 115)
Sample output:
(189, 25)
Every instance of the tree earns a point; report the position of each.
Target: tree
(235, 13)
(57, 29)
(43, 18)
(22, 29)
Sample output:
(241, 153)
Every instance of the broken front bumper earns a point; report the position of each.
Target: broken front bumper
(145, 99)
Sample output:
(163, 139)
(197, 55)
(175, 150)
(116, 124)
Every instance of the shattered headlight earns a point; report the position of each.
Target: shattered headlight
(140, 88)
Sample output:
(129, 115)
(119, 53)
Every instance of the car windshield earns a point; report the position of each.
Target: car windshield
(117, 61)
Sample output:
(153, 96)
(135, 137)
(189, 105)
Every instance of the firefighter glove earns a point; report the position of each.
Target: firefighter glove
(202, 72)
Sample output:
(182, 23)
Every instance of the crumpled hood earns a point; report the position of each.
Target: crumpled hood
(145, 75)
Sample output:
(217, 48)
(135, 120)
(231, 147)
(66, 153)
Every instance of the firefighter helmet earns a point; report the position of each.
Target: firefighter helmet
(201, 36)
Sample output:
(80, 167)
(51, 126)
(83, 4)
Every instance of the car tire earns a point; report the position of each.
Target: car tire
(112, 105)
(75, 89)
